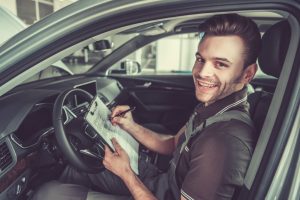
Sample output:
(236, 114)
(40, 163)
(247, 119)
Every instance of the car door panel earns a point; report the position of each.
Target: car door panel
(160, 99)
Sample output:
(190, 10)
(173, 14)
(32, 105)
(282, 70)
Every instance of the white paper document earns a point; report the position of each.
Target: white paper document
(98, 117)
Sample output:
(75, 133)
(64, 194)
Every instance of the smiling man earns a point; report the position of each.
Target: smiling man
(212, 151)
(217, 72)
(209, 163)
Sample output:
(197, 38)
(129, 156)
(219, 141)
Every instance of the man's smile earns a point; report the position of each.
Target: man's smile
(205, 86)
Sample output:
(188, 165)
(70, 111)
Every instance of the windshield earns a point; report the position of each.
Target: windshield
(82, 60)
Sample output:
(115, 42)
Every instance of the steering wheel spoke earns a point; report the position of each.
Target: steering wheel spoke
(70, 115)
(89, 153)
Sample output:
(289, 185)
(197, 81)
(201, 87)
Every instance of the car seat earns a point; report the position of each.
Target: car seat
(275, 44)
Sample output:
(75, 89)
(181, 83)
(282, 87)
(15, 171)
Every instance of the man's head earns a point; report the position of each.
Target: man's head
(226, 57)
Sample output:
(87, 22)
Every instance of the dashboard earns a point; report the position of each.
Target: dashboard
(36, 124)
(26, 126)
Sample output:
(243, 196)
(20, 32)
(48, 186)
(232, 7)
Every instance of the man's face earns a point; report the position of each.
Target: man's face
(218, 69)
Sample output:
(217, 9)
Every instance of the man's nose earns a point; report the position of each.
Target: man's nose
(206, 70)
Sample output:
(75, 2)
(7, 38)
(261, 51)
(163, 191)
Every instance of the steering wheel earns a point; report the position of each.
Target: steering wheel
(79, 143)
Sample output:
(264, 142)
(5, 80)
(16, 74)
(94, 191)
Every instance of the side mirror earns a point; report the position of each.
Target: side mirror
(102, 45)
(131, 67)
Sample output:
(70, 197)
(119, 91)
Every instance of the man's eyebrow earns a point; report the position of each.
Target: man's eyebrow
(215, 58)
(222, 59)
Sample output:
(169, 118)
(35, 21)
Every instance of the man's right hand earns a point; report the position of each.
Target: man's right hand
(126, 121)
(157, 142)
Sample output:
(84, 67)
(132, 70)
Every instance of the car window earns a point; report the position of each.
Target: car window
(173, 54)
(170, 55)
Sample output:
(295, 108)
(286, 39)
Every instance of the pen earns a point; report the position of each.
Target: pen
(123, 113)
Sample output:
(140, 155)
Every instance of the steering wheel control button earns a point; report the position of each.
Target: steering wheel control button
(89, 131)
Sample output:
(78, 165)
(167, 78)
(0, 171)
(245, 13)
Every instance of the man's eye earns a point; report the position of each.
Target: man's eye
(221, 65)
(200, 60)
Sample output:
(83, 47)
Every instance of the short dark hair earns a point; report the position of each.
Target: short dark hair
(234, 24)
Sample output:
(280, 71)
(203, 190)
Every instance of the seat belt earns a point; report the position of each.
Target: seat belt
(226, 116)
(229, 115)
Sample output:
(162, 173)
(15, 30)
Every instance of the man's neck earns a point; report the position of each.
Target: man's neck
(208, 103)
(211, 102)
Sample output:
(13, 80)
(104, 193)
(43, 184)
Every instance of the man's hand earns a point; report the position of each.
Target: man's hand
(126, 122)
(117, 162)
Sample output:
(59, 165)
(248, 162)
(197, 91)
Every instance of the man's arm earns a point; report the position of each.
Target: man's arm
(161, 143)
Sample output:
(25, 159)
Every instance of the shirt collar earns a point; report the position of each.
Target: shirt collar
(236, 99)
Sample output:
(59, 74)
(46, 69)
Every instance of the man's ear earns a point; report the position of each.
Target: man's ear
(249, 73)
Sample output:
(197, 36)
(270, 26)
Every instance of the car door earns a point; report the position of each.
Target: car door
(163, 101)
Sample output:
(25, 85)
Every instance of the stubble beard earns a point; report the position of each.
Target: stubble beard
(223, 91)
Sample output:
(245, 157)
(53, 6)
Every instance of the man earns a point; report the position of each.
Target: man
(210, 154)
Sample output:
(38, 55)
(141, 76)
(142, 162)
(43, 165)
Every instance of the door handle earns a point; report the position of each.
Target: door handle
(147, 84)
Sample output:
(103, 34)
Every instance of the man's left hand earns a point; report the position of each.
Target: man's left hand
(117, 162)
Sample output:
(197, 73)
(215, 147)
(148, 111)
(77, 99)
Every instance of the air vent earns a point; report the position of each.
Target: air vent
(5, 157)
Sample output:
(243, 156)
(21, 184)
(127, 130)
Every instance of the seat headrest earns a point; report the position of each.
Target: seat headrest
(275, 44)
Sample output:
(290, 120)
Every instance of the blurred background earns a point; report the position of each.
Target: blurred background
(156, 57)
(30, 11)
(170, 55)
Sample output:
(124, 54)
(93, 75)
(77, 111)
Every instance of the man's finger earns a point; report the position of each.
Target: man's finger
(118, 120)
(108, 152)
(118, 109)
(115, 120)
(117, 146)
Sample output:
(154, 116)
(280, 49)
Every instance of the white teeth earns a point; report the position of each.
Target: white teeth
(206, 85)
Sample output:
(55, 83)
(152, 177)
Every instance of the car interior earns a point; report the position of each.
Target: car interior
(30, 152)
